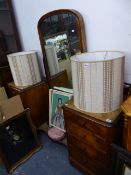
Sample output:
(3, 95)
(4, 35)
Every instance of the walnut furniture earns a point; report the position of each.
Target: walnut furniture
(89, 136)
(34, 97)
(126, 107)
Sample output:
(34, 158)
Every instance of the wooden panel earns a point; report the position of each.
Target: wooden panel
(92, 152)
(126, 107)
(127, 133)
(89, 139)
(82, 158)
(36, 98)
(86, 136)
(60, 79)
(80, 167)
(87, 124)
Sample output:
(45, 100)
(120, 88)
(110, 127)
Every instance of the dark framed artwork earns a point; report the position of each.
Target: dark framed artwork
(120, 161)
(18, 140)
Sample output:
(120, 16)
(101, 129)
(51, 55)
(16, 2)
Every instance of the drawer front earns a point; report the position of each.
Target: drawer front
(86, 136)
(98, 129)
(96, 167)
(94, 154)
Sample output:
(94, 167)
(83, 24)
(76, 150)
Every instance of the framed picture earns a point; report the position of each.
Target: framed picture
(120, 161)
(18, 140)
(57, 101)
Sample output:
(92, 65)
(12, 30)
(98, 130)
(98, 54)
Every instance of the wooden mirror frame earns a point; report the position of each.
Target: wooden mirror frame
(61, 78)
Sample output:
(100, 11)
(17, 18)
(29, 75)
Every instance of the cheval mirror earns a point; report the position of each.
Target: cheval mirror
(62, 35)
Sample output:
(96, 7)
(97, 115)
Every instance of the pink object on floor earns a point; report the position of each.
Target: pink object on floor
(56, 134)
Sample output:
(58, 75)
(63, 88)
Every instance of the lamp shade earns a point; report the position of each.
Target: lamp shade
(24, 68)
(98, 80)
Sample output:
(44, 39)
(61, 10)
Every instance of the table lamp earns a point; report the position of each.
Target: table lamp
(98, 80)
(24, 68)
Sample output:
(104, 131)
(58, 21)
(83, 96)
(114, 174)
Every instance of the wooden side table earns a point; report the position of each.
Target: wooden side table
(126, 107)
(89, 136)
(35, 97)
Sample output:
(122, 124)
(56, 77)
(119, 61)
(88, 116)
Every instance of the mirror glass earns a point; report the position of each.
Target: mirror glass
(61, 35)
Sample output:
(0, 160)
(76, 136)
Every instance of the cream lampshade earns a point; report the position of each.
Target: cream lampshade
(24, 68)
(98, 81)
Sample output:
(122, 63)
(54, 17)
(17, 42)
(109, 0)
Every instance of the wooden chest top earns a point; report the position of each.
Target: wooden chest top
(107, 118)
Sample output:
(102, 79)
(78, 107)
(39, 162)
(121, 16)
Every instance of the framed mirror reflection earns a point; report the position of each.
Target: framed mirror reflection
(62, 35)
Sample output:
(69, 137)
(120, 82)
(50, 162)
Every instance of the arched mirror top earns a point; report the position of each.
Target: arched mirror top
(62, 35)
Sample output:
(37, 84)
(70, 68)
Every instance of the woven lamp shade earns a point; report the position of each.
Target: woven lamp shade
(98, 81)
(24, 68)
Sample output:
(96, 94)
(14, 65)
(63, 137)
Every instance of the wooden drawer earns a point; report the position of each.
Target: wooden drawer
(97, 129)
(94, 154)
(93, 167)
(89, 137)
(80, 167)
(86, 136)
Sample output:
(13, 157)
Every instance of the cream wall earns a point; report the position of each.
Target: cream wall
(107, 24)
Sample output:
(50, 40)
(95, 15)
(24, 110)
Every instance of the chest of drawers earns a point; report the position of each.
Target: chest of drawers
(89, 136)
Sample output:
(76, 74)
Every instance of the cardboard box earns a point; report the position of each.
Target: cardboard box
(10, 107)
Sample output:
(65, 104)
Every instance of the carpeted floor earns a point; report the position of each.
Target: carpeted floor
(52, 159)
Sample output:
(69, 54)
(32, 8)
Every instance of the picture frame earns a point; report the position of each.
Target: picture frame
(57, 100)
(18, 140)
(120, 161)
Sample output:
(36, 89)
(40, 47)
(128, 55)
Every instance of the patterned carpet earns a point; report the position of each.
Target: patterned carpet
(52, 159)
